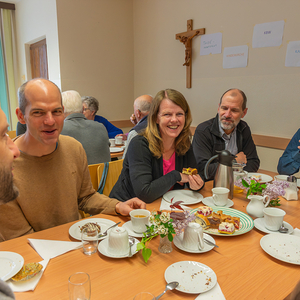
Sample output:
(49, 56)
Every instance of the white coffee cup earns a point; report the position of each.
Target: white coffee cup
(193, 237)
(273, 218)
(220, 196)
(281, 177)
(139, 220)
(112, 142)
(118, 243)
(119, 140)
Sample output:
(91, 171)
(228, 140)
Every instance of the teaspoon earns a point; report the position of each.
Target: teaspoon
(283, 229)
(170, 286)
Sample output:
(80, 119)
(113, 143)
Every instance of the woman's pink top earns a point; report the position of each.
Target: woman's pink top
(169, 165)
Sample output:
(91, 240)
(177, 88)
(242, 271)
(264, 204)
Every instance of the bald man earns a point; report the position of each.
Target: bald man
(226, 131)
(52, 172)
(141, 108)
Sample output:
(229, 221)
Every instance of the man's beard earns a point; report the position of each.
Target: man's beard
(8, 191)
(227, 125)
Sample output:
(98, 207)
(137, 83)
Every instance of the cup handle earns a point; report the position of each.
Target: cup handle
(268, 201)
(213, 197)
(201, 242)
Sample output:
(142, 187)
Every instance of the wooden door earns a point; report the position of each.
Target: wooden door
(38, 59)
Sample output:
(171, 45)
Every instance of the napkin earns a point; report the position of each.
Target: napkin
(48, 249)
(166, 205)
(215, 293)
(30, 284)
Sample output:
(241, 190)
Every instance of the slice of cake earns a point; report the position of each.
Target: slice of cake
(203, 221)
(206, 211)
(227, 228)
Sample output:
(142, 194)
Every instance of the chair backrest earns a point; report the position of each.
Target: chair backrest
(93, 174)
(114, 171)
(12, 134)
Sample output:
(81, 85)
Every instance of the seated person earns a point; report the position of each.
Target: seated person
(289, 162)
(141, 108)
(154, 160)
(92, 135)
(226, 131)
(51, 172)
(21, 128)
(90, 108)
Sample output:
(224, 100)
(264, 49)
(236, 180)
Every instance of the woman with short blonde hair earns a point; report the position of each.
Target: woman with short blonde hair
(154, 161)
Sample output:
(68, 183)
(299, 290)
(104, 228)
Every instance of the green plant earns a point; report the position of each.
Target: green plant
(254, 187)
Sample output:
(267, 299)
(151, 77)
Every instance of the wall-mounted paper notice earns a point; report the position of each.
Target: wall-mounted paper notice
(292, 58)
(211, 43)
(267, 34)
(235, 57)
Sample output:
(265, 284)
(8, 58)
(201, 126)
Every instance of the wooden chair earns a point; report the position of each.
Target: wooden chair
(114, 171)
(93, 174)
(12, 134)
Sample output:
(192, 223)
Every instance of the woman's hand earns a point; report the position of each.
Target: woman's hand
(195, 181)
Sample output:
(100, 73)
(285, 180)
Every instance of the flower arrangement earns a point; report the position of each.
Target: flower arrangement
(273, 190)
(164, 224)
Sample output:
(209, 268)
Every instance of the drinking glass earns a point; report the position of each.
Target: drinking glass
(79, 286)
(89, 240)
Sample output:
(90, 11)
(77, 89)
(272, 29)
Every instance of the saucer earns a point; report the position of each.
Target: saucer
(260, 225)
(128, 227)
(208, 201)
(178, 243)
(103, 249)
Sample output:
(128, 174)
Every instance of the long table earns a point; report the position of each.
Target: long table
(243, 269)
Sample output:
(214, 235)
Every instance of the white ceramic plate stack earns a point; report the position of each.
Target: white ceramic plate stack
(187, 196)
(193, 277)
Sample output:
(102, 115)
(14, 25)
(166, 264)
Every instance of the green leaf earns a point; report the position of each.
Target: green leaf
(245, 183)
(146, 254)
(170, 237)
(140, 246)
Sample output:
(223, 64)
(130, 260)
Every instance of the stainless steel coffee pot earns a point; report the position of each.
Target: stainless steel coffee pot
(224, 172)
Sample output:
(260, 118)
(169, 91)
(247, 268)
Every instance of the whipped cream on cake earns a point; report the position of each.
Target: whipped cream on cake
(206, 211)
(227, 228)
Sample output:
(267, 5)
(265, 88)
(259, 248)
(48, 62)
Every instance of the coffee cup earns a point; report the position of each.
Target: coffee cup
(193, 237)
(139, 219)
(119, 140)
(112, 142)
(273, 218)
(118, 243)
(220, 196)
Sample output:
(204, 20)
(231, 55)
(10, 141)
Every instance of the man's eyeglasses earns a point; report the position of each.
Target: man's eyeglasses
(85, 109)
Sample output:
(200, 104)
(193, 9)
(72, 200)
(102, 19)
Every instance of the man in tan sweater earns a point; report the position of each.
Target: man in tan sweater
(52, 171)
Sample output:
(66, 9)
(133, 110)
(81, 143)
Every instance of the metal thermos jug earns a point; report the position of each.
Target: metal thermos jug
(224, 172)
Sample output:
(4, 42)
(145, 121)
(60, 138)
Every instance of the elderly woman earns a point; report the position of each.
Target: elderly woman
(154, 160)
(90, 108)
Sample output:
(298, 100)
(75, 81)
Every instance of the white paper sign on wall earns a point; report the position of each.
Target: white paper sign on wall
(211, 43)
(235, 57)
(292, 58)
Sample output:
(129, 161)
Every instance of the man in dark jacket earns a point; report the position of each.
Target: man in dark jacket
(226, 131)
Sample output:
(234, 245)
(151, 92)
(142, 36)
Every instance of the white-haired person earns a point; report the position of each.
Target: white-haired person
(92, 135)
(90, 109)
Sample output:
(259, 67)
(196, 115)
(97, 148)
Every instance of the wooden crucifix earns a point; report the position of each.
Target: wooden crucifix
(186, 38)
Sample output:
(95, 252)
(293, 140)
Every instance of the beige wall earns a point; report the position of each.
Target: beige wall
(96, 52)
(272, 89)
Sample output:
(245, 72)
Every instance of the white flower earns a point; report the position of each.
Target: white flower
(162, 230)
(165, 217)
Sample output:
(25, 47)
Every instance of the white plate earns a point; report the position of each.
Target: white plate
(283, 247)
(178, 243)
(246, 222)
(11, 263)
(260, 225)
(209, 202)
(75, 232)
(128, 227)
(103, 249)
(187, 196)
(193, 277)
(115, 149)
(264, 178)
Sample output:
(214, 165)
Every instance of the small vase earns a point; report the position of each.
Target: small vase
(165, 246)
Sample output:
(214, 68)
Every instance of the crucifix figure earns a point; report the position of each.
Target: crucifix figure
(186, 38)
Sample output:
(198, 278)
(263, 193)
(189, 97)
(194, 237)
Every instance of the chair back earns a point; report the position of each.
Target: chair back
(12, 134)
(113, 173)
(93, 174)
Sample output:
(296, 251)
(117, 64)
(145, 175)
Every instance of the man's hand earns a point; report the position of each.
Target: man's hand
(123, 135)
(241, 158)
(124, 208)
(133, 119)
